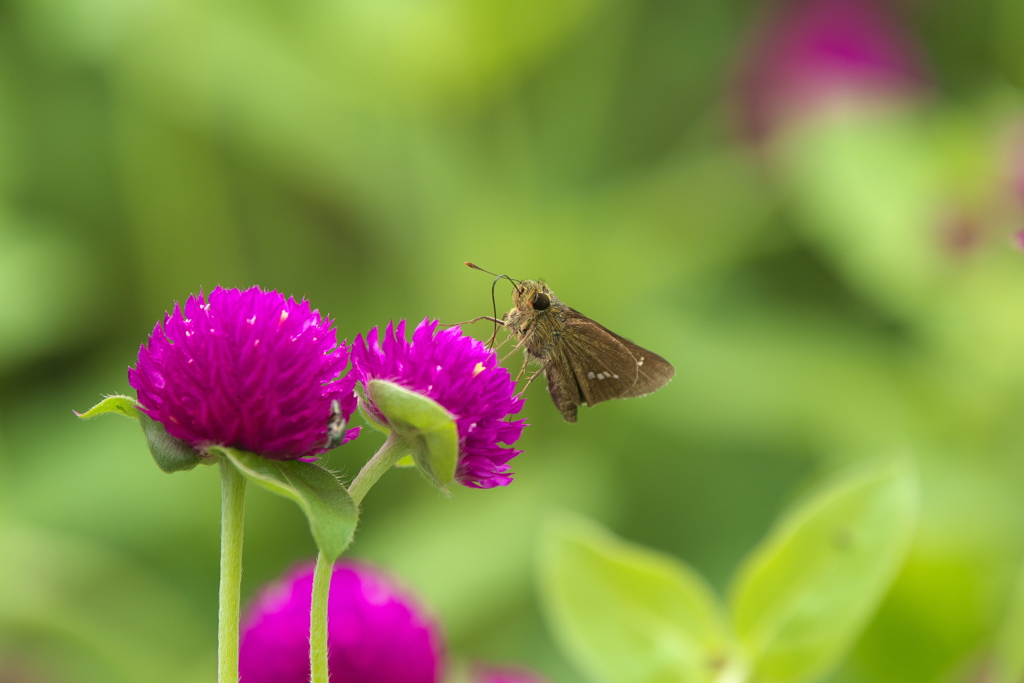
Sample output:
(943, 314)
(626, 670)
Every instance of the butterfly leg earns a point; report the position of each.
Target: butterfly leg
(497, 346)
(515, 348)
(529, 380)
(494, 335)
(488, 318)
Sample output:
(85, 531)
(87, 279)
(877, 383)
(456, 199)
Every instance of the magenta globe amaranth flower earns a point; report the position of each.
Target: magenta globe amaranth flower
(376, 634)
(247, 369)
(462, 375)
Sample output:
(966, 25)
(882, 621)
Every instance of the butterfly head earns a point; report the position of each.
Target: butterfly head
(532, 295)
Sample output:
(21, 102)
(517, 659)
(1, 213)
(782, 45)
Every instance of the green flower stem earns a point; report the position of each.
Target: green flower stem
(383, 460)
(318, 620)
(232, 496)
(393, 449)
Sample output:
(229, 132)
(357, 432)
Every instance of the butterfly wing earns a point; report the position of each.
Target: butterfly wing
(652, 371)
(580, 371)
(591, 364)
(564, 389)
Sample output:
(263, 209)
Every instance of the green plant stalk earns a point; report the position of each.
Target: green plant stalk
(392, 450)
(383, 460)
(394, 447)
(318, 620)
(232, 496)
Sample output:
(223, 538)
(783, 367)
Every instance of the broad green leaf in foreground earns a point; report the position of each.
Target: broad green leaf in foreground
(331, 513)
(802, 597)
(424, 424)
(626, 614)
(171, 454)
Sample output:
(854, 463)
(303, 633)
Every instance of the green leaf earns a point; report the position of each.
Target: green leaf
(803, 596)
(331, 513)
(171, 454)
(626, 614)
(122, 405)
(424, 424)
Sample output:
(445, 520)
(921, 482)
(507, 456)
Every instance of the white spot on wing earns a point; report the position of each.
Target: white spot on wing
(640, 362)
(590, 375)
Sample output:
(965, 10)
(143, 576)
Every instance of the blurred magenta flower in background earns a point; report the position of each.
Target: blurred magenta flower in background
(247, 369)
(376, 632)
(462, 375)
(808, 54)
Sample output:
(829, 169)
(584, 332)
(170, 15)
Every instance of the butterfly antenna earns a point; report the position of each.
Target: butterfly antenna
(515, 283)
(494, 303)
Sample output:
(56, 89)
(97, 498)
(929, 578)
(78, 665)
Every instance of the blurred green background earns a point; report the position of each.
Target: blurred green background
(830, 267)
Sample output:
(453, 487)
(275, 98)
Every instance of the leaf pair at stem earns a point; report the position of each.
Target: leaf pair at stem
(417, 427)
(628, 614)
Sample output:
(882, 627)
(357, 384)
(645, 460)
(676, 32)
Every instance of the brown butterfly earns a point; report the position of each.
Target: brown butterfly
(584, 362)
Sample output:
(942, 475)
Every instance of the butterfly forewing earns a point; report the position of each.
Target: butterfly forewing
(608, 366)
(653, 371)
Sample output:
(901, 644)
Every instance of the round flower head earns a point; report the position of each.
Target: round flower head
(461, 374)
(375, 633)
(247, 369)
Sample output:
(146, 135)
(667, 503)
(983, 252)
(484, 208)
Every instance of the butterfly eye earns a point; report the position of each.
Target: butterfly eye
(540, 301)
